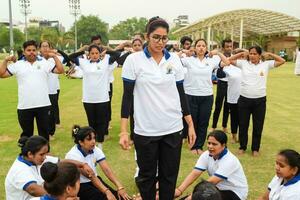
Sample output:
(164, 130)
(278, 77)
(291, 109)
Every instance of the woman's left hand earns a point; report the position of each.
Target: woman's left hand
(123, 194)
(191, 136)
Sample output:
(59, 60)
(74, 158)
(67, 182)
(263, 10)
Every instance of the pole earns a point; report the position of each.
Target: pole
(11, 33)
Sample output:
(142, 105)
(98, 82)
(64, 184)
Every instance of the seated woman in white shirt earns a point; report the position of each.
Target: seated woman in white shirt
(224, 169)
(23, 180)
(61, 181)
(286, 183)
(85, 151)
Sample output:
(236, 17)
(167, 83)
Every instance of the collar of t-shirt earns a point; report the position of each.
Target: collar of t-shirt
(165, 52)
(47, 197)
(293, 180)
(83, 152)
(222, 154)
(21, 159)
(97, 61)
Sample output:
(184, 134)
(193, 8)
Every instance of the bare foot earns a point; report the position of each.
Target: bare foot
(225, 130)
(241, 152)
(194, 151)
(199, 151)
(211, 130)
(234, 138)
(255, 153)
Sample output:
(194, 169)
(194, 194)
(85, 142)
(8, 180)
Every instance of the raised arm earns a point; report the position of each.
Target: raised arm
(221, 55)
(3, 67)
(237, 56)
(278, 60)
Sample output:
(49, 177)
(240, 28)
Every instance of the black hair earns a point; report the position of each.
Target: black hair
(206, 191)
(201, 39)
(30, 43)
(226, 41)
(257, 48)
(80, 133)
(219, 135)
(137, 39)
(93, 46)
(58, 176)
(96, 37)
(154, 23)
(32, 144)
(292, 157)
(40, 45)
(141, 35)
(184, 39)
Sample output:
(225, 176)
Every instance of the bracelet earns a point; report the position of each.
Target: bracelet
(123, 133)
(106, 190)
(179, 191)
(120, 188)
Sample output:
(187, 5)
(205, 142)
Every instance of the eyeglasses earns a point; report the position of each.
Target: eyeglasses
(157, 38)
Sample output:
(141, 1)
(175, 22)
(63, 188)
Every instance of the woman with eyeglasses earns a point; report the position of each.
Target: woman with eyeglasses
(154, 78)
(199, 88)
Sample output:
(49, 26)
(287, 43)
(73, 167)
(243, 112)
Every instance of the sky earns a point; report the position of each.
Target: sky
(113, 11)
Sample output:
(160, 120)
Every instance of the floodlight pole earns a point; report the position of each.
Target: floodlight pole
(25, 4)
(11, 33)
(75, 11)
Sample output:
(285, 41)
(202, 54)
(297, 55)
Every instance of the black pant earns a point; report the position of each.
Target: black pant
(234, 117)
(88, 191)
(221, 99)
(97, 115)
(26, 121)
(54, 105)
(162, 154)
(256, 107)
(131, 122)
(56, 110)
(200, 107)
(110, 93)
(229, 195)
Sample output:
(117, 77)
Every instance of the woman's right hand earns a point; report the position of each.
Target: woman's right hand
(110, 195)
(124, 140)
(178, 193)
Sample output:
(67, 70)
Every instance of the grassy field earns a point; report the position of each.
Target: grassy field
(281, 130)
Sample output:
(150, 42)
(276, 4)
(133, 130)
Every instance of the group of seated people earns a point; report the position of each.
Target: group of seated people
(36, 174)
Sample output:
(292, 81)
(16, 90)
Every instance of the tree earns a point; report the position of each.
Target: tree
(126, 29)
(4, 38)
(34, 33)
(50, 34)
(88, 26)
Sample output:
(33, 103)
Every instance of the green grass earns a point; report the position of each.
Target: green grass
(281, 130)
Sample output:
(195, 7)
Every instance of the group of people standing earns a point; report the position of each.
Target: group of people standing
(170, 96)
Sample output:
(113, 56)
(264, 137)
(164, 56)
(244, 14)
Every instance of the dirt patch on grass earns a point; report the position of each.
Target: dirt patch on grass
(5, 138)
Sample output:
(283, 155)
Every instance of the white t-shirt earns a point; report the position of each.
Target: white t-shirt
(297, 64)
(228, 168)
(95, 82)
(197, 80)
(234, 79)
(32, 82)
(92, 158)
(21, 174)
(53, 81)
(288, 191)
(156, 98)
(254, 77)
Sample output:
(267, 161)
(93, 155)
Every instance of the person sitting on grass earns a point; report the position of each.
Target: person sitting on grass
(23, 180)
(85, 151)
(224, 169)
(61, 181)
(286, 183)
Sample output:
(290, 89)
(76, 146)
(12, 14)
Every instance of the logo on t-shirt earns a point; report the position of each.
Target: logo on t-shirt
(261, 73)
(169, 69)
